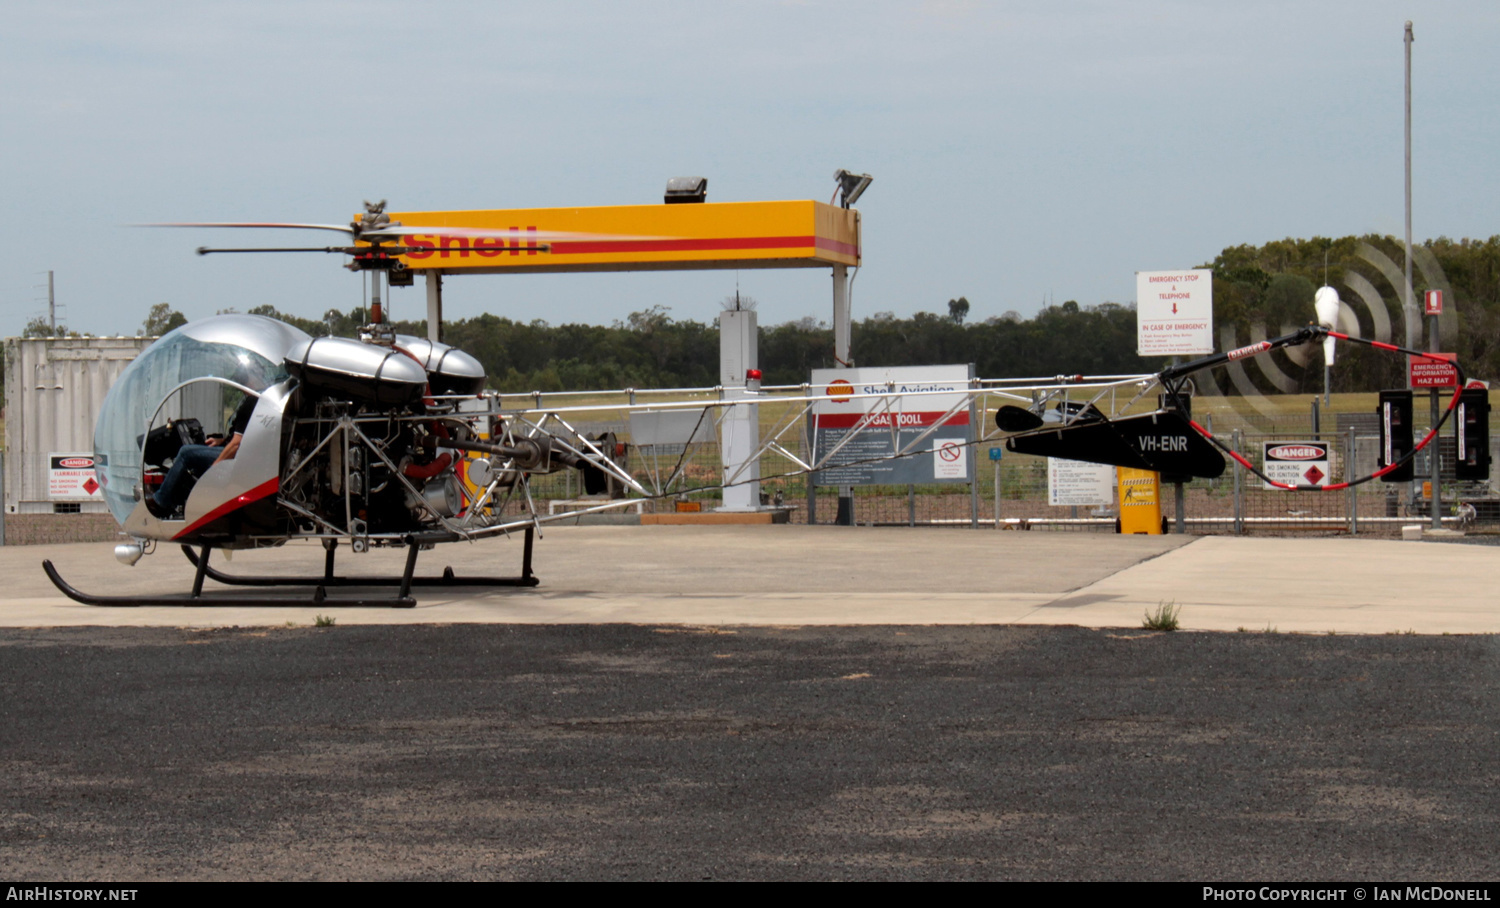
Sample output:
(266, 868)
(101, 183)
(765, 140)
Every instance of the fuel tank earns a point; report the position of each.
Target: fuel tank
(357, 371)
(450, 371)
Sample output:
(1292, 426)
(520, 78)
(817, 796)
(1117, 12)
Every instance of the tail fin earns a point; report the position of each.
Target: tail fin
(1161, 441)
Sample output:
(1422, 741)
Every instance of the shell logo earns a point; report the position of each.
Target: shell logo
(840, 391)
(1297, 452)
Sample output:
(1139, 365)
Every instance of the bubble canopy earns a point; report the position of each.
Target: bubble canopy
(246, 349)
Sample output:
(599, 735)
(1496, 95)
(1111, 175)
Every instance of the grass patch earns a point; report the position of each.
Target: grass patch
(1163, 619)
(324, 621)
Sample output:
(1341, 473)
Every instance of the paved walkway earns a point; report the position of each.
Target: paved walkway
(831, 575)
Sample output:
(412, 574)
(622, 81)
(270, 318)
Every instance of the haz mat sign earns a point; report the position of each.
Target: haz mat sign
(1300, 463)
(1174, 312)
(70, 477)
(865, 434)
(1426, 373)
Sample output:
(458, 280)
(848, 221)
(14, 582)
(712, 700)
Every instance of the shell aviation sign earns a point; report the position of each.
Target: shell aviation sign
(635, 237)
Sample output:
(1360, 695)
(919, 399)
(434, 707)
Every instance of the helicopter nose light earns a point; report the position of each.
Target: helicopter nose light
(128, 553)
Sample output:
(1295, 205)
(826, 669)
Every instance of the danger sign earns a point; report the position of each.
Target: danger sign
(1297, 463)
(70, 477)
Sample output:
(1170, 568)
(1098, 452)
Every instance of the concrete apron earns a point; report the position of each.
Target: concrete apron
(796, 575)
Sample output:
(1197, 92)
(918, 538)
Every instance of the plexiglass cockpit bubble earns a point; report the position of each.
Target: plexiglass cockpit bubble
(246, 349)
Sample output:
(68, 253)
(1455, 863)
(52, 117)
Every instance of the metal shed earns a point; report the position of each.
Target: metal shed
(54, 387)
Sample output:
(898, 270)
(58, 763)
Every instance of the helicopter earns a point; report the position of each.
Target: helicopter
(388, 440)
(383, 440)
(337, 440)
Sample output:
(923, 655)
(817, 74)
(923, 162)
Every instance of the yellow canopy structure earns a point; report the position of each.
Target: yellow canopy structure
(796, 234)
(676, 237)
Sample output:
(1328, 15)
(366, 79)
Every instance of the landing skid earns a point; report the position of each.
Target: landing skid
(319, 596)
(328, 579)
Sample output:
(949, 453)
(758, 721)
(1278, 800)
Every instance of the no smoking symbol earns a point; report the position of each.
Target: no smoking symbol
(949, 452)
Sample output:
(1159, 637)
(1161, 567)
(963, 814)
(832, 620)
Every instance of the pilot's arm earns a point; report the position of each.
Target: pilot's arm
(231, 448)
(241, 422)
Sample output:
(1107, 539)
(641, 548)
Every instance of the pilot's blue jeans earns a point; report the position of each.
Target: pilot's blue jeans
(192, 460)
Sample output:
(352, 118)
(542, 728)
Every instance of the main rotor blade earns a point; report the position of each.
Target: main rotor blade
(256, 224)
(346, 250)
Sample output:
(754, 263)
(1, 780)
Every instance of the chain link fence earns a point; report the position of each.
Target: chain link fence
(1012, 493)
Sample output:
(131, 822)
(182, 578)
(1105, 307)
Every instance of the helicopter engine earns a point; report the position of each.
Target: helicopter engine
(379, 442)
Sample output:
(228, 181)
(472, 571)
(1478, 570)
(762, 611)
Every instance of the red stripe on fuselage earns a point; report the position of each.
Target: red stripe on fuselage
(268, 487)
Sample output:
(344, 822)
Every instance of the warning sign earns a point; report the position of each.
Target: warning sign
(70, 477)
(1298, 463)
(1426, 373)
(1072, 482)
(951, 462)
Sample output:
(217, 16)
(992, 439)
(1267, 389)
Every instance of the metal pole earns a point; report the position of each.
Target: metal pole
(841, 356)
(2, 498)
(51, 306)
(973, 452)
(997, 494)
(808, 446)
(841, 319)
(1239, 503)
(911, 505)
(1350, 459)
(435, 307)
(1409, 305)
(1437, 461)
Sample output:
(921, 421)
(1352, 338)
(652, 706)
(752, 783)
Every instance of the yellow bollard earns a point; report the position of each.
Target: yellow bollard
(1140, 501)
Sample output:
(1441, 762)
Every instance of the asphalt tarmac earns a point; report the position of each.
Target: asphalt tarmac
(664, 752)
(824, 704)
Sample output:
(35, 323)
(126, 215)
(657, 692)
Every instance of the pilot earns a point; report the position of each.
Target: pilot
(195, 460)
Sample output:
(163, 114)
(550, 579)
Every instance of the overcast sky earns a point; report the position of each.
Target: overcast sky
(1021, 151)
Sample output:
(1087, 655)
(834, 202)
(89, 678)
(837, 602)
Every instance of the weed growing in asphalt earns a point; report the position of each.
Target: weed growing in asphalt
(323, 621)
(1163, 619)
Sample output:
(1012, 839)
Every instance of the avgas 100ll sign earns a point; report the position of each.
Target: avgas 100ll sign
(860, 401)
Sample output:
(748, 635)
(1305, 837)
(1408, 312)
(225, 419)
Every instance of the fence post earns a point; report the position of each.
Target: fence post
(2, 498)
(997, 493)
(972, 454)
(810, 448)
(1350, 455)
(1239, 488)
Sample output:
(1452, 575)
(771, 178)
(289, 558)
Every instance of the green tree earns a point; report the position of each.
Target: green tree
(40, 327)
(161, 319)
(958, 310)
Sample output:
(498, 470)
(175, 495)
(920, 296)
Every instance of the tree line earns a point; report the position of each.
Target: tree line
(1262, 290)
(651, 349)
